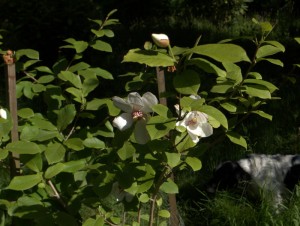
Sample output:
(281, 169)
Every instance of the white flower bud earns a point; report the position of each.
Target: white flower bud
(161, 40)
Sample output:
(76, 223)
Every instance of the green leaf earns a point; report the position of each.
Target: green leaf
(79, 46)
(29, 133)
(37, 88)
(30, 53)
(66, 116)
(276, 44)
(55, 152)
(78, 67)
(144, 198)
(102, 46)
(257, 91)
(52, 171)
(21, 183)
(3, 153)
(234, 72)
(214, 113)
(74, 166)
(35, 163)
(127, 151)
(222, 52)
(77, 93)
(194, 163)
(149, 57)
(173, 159)
(42, 123)
(267, 50)
(207, 66)
(187, 82)
(97, 104)
(75, 144)
(45, 79)
(25, 113)
(23, 147)
(272, 61)
(44, 69)
(164, 213)
(267, 84)
(94, 142)
(222, 87)
(159, 126)
(70, 77)
(297, 40)
(89, 85)
(169, 187)
(263, 114)
(255, 75)
(162, 110)
(266, 26)
(102, 73)
(229, 106)
(183, 142)
(236, 138)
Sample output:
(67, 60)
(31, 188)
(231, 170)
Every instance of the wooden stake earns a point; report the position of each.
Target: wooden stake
(12, 99)
(161, 85)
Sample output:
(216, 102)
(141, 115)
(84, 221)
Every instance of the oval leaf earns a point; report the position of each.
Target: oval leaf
(20, 183)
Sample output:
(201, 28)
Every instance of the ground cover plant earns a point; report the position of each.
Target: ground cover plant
(93, 160)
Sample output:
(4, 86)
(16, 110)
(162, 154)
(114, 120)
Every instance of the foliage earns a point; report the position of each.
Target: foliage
(73, 160)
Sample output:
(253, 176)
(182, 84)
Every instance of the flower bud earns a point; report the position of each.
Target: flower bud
(161, 40)
(3, 113)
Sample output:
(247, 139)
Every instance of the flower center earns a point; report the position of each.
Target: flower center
(192, 121)
(137, 114)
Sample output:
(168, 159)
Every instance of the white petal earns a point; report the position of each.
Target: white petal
(135, 100)
(123, 121)
(3, 113)
(207, 130)
(181, 123)
(201, 117)
(141, 134)
(201, 129)
(195, 138)
(122, 104)
(148, 99)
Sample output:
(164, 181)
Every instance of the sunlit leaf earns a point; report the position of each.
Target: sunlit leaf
(55, 152)
(263, 114)
(23, 147)
(222, 52)
(267, 50)
(236, 138)
(149, 57)
(102, 46)
(169, 187)
(173, 159)
(207, 66)
(93, 142)
(194, 163)
(52, 171)
(66, 116)
(21, 183)
(187, 82)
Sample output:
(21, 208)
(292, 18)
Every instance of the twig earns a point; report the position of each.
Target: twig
(56, 194)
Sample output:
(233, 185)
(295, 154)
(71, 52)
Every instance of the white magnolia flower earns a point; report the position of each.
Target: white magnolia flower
(196, 124)
(136, 109)
(161, 40)
(3, 113)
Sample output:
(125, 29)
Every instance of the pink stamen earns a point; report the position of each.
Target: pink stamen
(137, 114)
